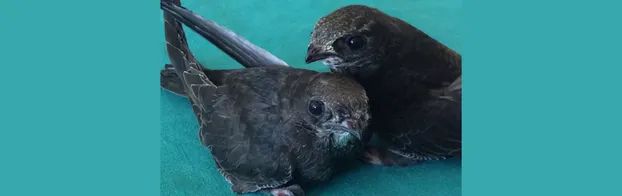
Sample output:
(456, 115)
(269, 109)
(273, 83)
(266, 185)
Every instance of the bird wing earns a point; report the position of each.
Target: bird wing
(456, 85)
(454, 90)
(234, 45)
(199, 88)
(434, 128)
(170, 81)
(244, 134)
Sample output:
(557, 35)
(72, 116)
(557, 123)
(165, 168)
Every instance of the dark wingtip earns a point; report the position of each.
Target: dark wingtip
(234, 45)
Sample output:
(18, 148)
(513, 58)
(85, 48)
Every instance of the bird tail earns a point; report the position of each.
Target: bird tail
(184, 65)
(234, 45)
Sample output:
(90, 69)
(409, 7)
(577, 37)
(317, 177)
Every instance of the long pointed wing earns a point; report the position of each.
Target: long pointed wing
(234, 45)
(195, 82)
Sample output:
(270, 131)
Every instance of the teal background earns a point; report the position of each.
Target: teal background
(283, 28)
(80, 104)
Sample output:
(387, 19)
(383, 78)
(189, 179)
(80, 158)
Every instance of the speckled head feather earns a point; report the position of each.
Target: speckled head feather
(359, 40)
(342, 94)
(345, 103)
(331, 32)
(344, 21)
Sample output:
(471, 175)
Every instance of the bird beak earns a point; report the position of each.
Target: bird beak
(315, 53)
(234, 45)
(347, 126)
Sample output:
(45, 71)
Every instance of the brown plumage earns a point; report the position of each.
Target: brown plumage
(268, 129)
(406, 74)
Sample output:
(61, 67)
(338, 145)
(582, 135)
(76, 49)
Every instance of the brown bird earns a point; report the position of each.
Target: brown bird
(413, 82)
(268, 128)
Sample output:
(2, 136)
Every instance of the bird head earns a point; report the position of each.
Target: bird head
(337, 109)
(352, 39)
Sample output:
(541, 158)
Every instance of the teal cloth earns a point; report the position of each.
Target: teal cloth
(283, 28)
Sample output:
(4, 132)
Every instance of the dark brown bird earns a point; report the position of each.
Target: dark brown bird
(268, 128)
(406, 74)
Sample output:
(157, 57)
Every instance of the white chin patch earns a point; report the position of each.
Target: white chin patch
(342, 137)
(332, 62)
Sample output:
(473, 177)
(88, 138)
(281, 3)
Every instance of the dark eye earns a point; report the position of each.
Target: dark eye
(355, 42)
(316, 108)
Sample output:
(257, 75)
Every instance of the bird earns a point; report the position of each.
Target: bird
(413, 81)
(269, 129)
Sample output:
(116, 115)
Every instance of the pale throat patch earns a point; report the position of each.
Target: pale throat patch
(343, 141)
(342, 137)
(332, 62)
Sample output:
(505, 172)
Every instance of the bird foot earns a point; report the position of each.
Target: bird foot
(293, 190)
(378, 156)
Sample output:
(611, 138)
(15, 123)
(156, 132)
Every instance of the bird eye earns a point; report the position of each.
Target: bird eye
(355, 42)
(316, 108)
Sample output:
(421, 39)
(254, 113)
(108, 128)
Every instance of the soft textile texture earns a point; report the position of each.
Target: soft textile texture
(283, 28)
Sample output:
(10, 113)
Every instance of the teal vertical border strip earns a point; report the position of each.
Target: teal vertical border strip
(80, 97)
(540, 115)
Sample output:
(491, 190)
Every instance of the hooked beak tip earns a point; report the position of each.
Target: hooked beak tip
(315, 53)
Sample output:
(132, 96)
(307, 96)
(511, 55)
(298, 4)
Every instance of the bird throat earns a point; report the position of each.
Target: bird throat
(332, 62)
(343, 142)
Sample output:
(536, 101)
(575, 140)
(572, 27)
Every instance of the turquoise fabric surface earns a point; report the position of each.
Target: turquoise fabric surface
(283, 28)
